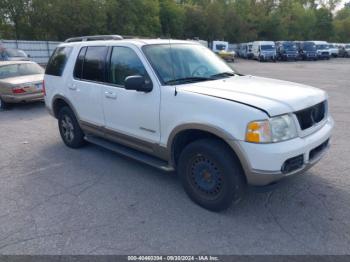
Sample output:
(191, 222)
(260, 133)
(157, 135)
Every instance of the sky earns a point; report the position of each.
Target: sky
(341, 4)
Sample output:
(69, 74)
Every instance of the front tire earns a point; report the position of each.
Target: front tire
(211, 174)
(69, 128)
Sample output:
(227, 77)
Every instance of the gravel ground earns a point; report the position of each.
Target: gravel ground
(55, 200)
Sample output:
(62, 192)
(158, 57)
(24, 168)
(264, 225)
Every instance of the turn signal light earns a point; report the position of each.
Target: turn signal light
(258, 132)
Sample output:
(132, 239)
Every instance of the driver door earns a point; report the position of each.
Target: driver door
(130, 115)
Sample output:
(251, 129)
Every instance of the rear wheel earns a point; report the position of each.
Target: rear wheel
(3, 105)
(70, 131)
(211, 174)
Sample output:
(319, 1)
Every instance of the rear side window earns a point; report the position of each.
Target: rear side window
(58, 61)
(94, 63)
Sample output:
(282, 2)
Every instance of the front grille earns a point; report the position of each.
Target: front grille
(312, 115)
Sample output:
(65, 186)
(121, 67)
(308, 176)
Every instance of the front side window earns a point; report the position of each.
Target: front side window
(94, 63)
(58, 61)
(17, 70)
(124, 63)
(180, 63)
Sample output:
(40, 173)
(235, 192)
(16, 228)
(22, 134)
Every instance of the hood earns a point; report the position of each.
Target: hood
(275, 97)
(17, 58)
(23, 79)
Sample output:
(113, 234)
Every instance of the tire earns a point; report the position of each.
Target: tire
(211, 174)
(70, 131)
(3, 105)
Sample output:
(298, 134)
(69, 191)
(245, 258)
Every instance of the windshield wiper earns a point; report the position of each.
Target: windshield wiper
(188, 80)
(223, 74)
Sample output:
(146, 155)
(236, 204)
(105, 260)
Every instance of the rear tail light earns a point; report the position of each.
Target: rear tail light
(44, 90)
(18, 91)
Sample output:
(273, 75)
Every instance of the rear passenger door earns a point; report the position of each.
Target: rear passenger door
(130, 114)
(86, 88)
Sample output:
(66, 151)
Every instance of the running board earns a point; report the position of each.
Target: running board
(131, 153)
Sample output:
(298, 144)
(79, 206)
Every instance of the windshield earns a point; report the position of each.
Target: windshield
(268, 47)
(220, 47)
(309, 47)
(16, 70)
(322, 47)
(290, 46)
(15, 53)
(347, 46)
(331, 46)
(183, 63)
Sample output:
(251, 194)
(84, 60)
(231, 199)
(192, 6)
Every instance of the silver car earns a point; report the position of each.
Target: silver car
(20, 81)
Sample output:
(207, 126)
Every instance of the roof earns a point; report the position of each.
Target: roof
(138, 42)
(3, 63)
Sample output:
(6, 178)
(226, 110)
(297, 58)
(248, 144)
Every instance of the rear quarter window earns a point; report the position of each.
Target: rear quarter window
(58, 61)
(78, 69)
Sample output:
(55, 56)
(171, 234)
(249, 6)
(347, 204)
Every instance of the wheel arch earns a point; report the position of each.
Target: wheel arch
(60, 101)
(184, 134)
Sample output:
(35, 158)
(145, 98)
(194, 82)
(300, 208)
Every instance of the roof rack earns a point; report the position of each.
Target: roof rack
(93, 38)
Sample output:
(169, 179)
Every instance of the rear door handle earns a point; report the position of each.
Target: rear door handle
(111, 95)
(72, 87)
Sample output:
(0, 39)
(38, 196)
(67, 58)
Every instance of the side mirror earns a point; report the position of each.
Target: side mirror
(138, 83)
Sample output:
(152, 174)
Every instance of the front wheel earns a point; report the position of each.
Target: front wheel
(70, 131)
(211, 174)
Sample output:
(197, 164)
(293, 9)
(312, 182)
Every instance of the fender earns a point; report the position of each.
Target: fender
(66, 100)
(217, 131)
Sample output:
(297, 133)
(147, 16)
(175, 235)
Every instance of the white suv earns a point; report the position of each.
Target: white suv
(176, 105)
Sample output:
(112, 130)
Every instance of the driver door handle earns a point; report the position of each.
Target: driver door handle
(110, 95)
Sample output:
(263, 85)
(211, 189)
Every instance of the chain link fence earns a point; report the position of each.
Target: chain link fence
(39, 51)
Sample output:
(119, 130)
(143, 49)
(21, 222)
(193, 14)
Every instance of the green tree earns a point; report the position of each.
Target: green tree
(214, 14)
(324, 24)
(195, 24)
(137, 17)
(15, 12)
(342, 25)
(172, 16)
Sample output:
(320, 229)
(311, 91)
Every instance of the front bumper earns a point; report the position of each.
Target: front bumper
(289, 56)
(23, 98)
(268, 57)
(310, 55)
(263, 162)
(323, 55)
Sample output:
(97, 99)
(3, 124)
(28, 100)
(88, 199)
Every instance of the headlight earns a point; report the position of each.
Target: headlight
(275, 129)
